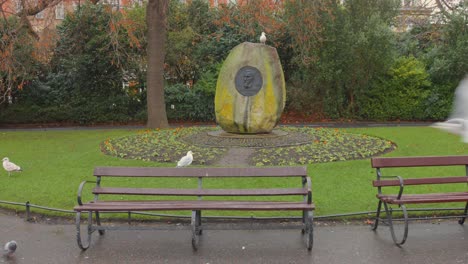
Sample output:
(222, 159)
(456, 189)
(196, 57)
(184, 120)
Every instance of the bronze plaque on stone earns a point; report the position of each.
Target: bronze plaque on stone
(248, 81)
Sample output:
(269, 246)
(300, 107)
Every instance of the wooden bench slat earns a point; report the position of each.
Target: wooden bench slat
(425, 198)
(447, 199)
(124, 206)
(378, 162)
(419, 181)
(200, 192)
(423, 195)
(201, 172)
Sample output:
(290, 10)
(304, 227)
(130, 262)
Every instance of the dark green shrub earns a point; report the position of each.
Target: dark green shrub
(438, 104)
(24, 113)
(448, 59)
(91, 63)
(300, 100)
(401, 95)
(188, 104)
(208, 79)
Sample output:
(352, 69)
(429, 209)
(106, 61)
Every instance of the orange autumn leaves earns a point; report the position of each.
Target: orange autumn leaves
(252, 17)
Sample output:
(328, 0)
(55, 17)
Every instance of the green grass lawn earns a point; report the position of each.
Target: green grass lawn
(55, 162)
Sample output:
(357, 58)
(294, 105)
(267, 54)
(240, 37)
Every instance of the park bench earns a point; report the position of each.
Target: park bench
(191, 199)
(422, 195)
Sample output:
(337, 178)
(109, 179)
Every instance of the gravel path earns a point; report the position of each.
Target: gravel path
(235, 157)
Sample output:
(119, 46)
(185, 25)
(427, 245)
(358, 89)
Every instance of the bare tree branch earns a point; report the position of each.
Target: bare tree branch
(443, 5)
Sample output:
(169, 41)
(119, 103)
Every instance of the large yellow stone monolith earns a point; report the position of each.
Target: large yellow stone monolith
(251, 91)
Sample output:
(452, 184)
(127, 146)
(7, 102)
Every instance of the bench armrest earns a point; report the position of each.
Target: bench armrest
(80, 190)
(402, 185)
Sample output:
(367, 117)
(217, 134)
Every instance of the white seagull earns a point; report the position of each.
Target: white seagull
(458, 121)
(263, 38)
(185, 160)
(10, 248)
(10, 166)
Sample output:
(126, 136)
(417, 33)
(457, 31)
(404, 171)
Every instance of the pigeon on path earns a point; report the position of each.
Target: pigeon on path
(10, 166)
(458, 120)
(263, 38)
(10, 248)
(185, 160)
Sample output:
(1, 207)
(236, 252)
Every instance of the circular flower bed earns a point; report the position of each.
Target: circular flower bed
(169, 145)
(161, 145)
(329, 144)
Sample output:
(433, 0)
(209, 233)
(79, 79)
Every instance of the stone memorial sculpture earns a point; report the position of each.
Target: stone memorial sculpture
(251, 91)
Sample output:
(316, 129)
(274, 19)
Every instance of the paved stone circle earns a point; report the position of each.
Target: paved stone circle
(219, 138)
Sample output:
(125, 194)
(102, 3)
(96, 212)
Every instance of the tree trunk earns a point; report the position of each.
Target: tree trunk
(156, 21)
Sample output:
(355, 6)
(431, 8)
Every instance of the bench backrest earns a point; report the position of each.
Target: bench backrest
(428, 161)
(419, 161)
(200, 173)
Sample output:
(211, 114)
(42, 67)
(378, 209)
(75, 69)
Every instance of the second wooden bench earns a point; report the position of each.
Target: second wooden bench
(402, 197)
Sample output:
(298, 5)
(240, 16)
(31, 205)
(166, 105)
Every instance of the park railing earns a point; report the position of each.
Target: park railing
(27, 205)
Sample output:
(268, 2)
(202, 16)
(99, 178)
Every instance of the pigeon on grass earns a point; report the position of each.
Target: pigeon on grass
(10, 166)
(185, 160)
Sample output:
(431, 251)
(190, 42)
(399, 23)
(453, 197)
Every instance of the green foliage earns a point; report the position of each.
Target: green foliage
(97, 71)
(90, 66)
(438, 104)
(418, 41)
(361, 10)
(189, 104)
(177, 19)
(300, 99)
(400, 95)
(196, 104)
(180, 66)
(368, 53)
(201, 17)
(443, 47)
(190, 47)
(208, 79)
(448, 60)
(214, 48)
(339, 61)
(24, 113)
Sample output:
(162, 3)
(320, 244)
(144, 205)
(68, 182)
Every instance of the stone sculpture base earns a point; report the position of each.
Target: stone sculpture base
(223, 139)
(273, 134)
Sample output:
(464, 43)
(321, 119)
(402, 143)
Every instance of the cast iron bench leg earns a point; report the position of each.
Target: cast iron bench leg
(98, 223)
(389, 212)
(195, 230)
(200, 229)
(304, 217)
(309, 230)
(78, 230)
(462, 220)
(377, 216)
